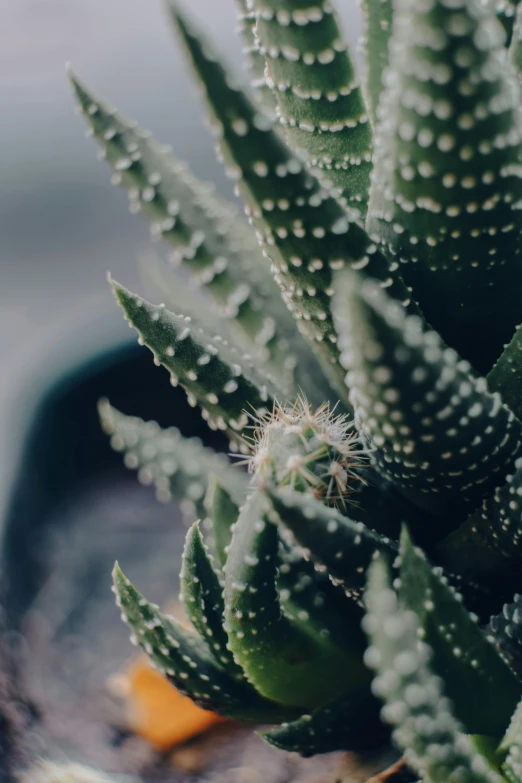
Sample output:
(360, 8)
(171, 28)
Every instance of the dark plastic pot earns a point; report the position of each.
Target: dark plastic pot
(72, 508)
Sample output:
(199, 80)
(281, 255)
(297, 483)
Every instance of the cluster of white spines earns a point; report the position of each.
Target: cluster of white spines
(297, 446)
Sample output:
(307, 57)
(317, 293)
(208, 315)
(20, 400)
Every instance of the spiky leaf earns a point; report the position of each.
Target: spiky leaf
(511, 745)
(344, 547)
(320, 104)
(222, 381)
(502, 515)
(506, 633)
(304, 232)
(184, 659)
(223, 512)
(255, 60)
(505, 377)
(439, 435)
(178, 467)
(447, 182)
(377, 26)
(414, 703)
(515, 47)
(204, 231)
(483, 689)
(308, 593)
(284, 658)
(506, 11)
(202, 596)
(348, 723)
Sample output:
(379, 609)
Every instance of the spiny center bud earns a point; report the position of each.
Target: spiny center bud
(309, 451)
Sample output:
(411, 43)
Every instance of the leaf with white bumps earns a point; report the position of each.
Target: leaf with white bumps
(505, 377)
(223, 513)
(447, 182)
(202, 596)
(515, 47)
(206, 234)
(348, 723)
(506, 11)
(255, 60)
(511, 745)
(184, 659)
(320, 104)
(502, 515)
(483, 689)
(284, 657)
(377, 26)
(344, 547)
(305, 232)
(308, 593)
(506, 633)
(179, 467)
(215, 376)
(435, 743)
(439, 436)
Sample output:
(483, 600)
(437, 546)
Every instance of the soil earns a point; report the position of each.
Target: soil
(73, 641)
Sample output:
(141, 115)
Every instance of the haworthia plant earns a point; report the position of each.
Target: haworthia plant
(388, 396)
(319, 101)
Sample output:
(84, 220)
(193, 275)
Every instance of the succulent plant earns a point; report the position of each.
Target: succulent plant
(387, 426)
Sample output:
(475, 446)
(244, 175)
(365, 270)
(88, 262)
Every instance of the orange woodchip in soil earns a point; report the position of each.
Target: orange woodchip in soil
(157, 711)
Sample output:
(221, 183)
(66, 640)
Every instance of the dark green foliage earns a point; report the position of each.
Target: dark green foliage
(438, 434)
(349, 722)
(304, 231)
(306, 667)
(506, 633)
(345, 548)
(482, 688)
(223, 382)
(319, 102)
(446, 183)
(223, 512)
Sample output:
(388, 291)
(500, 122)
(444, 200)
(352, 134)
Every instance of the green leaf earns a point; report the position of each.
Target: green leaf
(414, 703)
(506, 11)
(505, 377)
(447, 182)
(284, 658)
(505, 631)
(345, 548)
(211, 374)
(439, 436)
(179, 467)
(377, 26)
(202, 596)
(308, 593)
(185, 660)
(305, 233)
(320, 104)
(206, 234)
(515, 47)
(255, 60)
(348, 723)
(502, 515)
(512, 746)
(223, 512)
(483, 689)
